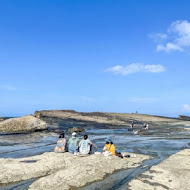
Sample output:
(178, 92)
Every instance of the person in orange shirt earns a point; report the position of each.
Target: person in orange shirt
(109, 146)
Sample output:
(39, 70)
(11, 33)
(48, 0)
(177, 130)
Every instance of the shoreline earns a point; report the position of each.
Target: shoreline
(172, 173)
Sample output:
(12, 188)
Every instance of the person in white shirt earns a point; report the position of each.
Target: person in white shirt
(85, 145)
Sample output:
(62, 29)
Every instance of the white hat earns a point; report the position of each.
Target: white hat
(74, 134)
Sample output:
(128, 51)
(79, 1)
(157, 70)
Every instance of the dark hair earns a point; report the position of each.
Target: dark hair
(85, 137)
(62, 135)
(109, 142)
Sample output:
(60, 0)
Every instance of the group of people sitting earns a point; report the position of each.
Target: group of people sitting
(75, 146)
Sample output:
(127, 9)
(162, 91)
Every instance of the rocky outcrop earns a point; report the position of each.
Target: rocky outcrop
(76, 129)
(100, 117)
(65, 119)
(62, 171)
(2, 119)
(183, 117)
(24, 124)
(172, 173)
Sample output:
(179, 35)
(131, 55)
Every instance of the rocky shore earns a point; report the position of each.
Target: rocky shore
(63, 171)
(172, 173)
(65, 120)
(165, 137)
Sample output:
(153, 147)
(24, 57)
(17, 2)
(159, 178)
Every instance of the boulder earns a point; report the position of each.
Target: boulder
(58, 131)
(2, 119)
(76, 129)
(23, 124)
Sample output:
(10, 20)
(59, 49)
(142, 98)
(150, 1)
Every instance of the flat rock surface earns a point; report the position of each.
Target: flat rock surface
(172, 173)
(120, 119)
(24, 124)
(63, 170)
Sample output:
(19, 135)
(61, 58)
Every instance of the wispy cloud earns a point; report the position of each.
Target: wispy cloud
(177, 37)
(158, 37)
(186, 107)
(7, 87)
(169, 47)
(135, 68)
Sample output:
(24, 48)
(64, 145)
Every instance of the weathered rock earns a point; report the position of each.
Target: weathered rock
(183, 117)
(76, 129)
(172, 173)
(61, 171)
(2, 119)
(58, 131)
(68, 118)
(24, 124)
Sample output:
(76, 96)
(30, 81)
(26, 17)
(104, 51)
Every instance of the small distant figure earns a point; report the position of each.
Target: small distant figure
(85, 146)
(61, 144)
(132, 124)
(145, 126)
(135, 132)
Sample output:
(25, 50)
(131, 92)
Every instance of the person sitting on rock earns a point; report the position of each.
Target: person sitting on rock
(73, 143)
(109, 149)
(61, 144)
(85, 146)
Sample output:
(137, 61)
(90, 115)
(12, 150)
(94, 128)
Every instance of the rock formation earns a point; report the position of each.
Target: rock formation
(24, 124)
(61, 171)
(76, 129)
(183, 117)
(172, 173)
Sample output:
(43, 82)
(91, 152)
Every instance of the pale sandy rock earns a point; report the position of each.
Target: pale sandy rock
(60, 170)
(173, 173)
(23, 124)
(76, 129)
(83, 170)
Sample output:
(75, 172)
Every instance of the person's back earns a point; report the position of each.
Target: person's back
(73, 143)
(85, 145)
(61, 144)
(109, 146)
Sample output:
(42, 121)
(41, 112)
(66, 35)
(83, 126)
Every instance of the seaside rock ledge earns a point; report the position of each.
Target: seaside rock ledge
(23, 124)
(63, 171)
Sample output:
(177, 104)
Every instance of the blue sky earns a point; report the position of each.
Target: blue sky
(102, 55)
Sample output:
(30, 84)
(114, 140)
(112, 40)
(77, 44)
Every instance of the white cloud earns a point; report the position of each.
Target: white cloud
(7, 87)
(169, 47)
(186, 107)
(135, 68)
(176, 39)
(158, 37)
(182, 29)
